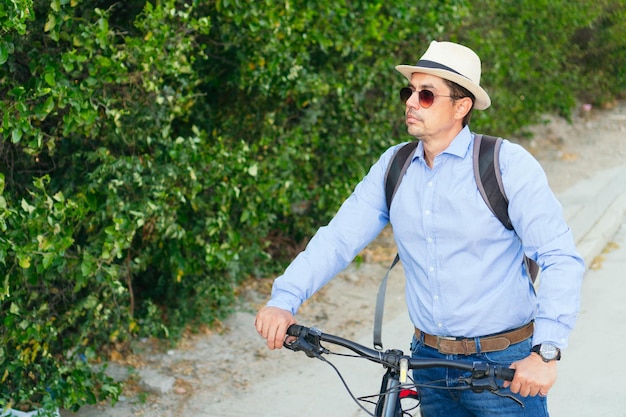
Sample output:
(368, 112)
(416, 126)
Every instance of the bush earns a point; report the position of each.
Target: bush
(89, 107)
(525, 47)
(599, 54)
(53, 318)
(156, 155)
(312, 89)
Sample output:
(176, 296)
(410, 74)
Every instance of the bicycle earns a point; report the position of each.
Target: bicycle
(394, 389)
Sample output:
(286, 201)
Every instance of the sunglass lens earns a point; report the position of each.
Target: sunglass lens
(405, 94)
(426, 98)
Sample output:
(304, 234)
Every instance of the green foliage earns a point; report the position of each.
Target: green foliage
(14, 16)
(89, 111)
(314, 90)
(156, 154)
(544, 56)
(525, 46)
(47, 312)
(599, 56)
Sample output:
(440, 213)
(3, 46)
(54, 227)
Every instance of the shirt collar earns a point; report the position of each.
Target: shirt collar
(460, 144)
(458, 147)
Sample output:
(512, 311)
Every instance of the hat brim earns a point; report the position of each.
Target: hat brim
(482, 98)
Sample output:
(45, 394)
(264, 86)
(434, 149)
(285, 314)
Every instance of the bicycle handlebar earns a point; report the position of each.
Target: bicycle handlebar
(308, 340)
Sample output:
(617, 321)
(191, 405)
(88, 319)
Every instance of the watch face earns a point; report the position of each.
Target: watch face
(548, 352)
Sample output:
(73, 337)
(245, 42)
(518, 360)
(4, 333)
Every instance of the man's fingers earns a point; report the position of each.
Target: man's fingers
(272, 323)
(280, 336)
(532, 377)
(274, 340)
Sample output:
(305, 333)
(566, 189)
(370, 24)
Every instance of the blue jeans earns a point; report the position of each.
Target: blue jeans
(465, 403)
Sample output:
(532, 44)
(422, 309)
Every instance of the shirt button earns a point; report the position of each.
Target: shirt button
(431, 269)
(436, 298)
(439, 324)
(430, 183)
(427, 212)
(430, 240)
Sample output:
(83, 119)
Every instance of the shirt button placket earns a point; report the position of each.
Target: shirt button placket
(429, 194)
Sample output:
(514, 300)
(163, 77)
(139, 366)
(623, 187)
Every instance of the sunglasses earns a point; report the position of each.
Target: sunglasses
(426, 97)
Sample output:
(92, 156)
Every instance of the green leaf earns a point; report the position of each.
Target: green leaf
(253, 170)
(48, 259)
(14, 309)
(24, 261)
(50, 24)
(4, 52)
(49, 78)
(44, 109)
(27, 207)
(59, 197)
(16, 135)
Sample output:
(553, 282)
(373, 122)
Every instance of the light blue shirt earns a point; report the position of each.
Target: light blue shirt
(464, 270)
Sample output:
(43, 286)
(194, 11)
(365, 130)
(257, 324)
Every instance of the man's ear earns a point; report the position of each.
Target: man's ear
(463, 106)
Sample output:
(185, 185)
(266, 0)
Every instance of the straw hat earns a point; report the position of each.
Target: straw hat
(453, 62)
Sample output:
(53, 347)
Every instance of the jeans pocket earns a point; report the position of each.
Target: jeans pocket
(511, 354)
(416, 345)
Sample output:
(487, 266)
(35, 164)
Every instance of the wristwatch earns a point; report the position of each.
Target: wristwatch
(547, 352)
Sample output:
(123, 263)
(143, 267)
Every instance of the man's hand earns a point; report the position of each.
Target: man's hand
(533, 376)
(272, 324)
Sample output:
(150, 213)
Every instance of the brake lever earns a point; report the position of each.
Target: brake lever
(484, 379)
(309, 343)
(509, 396)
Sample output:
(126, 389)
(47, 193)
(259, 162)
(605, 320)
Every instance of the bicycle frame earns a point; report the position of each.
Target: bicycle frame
(388, 404)
(397, 364)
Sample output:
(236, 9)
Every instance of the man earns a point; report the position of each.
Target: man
(467, 291)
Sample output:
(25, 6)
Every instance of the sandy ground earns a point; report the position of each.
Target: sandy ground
(215, 367)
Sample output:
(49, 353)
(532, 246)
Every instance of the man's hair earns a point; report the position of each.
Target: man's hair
(457, 92)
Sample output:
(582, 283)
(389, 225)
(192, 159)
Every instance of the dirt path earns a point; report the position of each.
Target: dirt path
(216, 366)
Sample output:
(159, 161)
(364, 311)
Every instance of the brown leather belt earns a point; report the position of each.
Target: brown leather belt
(467, 346)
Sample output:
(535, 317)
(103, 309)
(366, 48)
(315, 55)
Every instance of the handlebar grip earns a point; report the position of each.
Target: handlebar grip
(505, 374)
(296, 330)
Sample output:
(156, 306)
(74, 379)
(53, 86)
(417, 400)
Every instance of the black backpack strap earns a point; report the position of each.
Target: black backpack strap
(489, 182)
(489, 178)
(395, 171)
